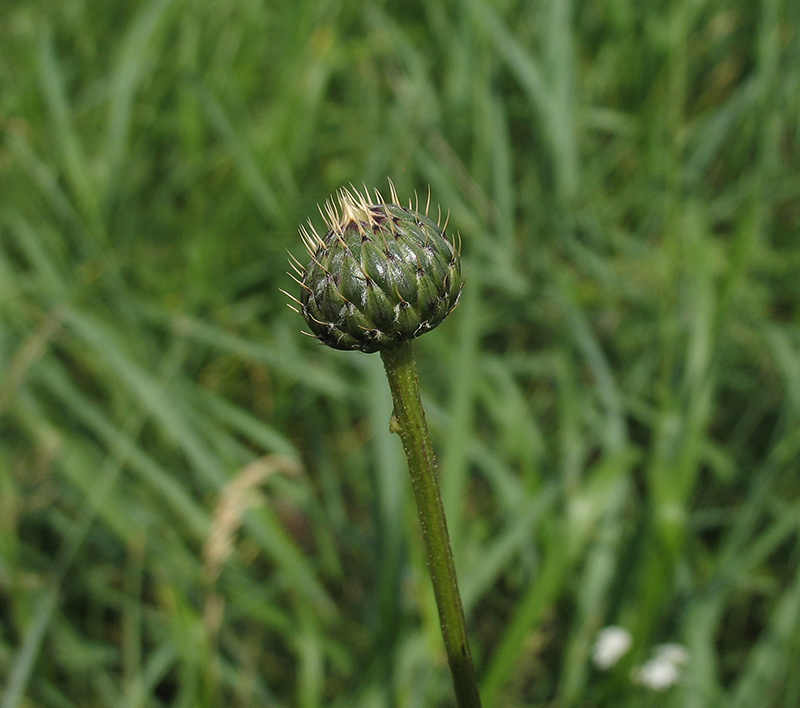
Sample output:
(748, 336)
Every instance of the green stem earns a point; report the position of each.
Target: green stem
(409, 422)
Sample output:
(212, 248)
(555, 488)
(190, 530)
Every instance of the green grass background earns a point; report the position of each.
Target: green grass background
(199, 506)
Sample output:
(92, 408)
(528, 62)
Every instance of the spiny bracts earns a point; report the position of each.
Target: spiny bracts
(382, 273)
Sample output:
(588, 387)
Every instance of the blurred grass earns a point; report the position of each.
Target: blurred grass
(616, 402)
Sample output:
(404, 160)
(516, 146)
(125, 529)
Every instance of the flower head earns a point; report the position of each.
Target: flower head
(610, 646)
(380, 275)
(664, 669)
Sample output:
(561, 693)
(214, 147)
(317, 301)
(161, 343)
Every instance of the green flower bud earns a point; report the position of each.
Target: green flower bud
(382, 274)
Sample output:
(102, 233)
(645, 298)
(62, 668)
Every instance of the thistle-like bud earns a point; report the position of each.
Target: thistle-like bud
(382, 274)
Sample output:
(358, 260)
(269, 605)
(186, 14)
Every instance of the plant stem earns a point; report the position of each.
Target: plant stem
(408, 421)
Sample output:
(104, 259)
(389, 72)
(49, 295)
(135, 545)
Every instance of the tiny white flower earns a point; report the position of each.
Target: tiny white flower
(610, 646)
(664, 669)
(674, 653)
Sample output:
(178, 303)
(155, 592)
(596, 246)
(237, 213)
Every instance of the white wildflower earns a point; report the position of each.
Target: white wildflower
(611, 645)
(664, 670)
(674, 653)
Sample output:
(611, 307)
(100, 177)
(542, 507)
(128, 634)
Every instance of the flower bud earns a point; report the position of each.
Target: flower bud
(382, 274)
